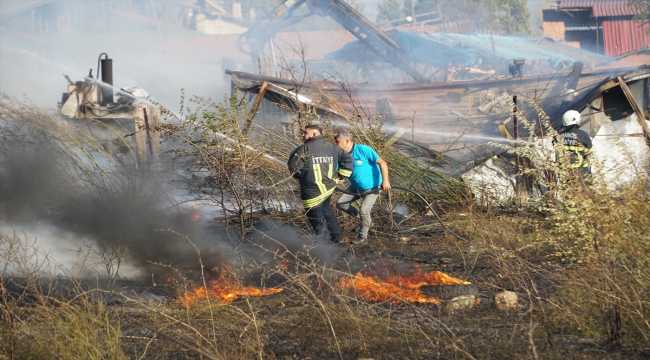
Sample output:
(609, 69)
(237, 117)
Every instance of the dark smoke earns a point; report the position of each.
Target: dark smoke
(28, 178)
(44, 182)
(41, 181)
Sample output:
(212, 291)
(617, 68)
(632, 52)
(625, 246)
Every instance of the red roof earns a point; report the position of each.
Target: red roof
(623, 36)
(600, 8)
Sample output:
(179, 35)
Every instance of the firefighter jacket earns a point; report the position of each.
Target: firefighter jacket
(578, 143)
(317, 165)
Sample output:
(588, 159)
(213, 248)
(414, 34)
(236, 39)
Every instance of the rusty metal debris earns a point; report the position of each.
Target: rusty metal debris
(131, 116)
(469, 114)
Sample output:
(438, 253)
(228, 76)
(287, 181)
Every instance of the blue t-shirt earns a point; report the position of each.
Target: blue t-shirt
(366, 173)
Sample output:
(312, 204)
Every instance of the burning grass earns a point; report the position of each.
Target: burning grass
(399, 288)
(226, 288)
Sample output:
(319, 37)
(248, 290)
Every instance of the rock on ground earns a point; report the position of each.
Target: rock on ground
(463, 302)
(506, 300)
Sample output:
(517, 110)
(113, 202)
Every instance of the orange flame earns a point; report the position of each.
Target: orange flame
(398, 288)
(225, 288)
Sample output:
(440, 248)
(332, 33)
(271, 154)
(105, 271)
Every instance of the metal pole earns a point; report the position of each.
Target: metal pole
(107, 78)
(514, 117)
(597, 39)
(272, 51)
(518, 178)
(148, 130)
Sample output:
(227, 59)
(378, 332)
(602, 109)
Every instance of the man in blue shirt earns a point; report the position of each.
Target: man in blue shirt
(369, 176)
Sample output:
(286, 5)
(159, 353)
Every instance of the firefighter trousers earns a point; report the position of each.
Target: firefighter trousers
(322, 217)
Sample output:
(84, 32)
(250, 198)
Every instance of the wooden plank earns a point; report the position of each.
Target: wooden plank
(256, 106)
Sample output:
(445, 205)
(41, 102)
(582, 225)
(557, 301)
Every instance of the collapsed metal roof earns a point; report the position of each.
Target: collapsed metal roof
(438, 115)
(441, 49)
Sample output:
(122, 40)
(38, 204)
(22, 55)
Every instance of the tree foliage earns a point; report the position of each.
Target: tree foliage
(643, 8)
(503, 16)
(510, 16)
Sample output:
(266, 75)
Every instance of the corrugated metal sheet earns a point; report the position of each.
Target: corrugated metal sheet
(600, 8)
(510, 47)
(622, 36)
(441, 49)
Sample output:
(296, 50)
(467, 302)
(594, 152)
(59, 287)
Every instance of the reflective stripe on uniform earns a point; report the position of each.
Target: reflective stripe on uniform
(578, 150)
(345, 173)
(329, 170)
(318, 178)
(310, 203)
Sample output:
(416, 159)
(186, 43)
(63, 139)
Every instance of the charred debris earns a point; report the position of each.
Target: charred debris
(467, 91)
(443, 96)
(455, 120)
(127, 111)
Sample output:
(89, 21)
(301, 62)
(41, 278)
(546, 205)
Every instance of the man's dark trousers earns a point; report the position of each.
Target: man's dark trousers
(322, 216)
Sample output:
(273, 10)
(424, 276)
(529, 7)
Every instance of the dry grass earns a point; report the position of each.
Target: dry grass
(38, 325)
(579, 265)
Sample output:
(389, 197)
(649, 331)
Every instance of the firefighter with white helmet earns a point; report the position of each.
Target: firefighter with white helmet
(576, 141)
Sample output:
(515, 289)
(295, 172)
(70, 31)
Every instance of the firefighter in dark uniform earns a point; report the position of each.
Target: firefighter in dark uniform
(318, 165)
(576, 142)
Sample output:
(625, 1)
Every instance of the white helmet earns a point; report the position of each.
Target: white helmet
(570, 117)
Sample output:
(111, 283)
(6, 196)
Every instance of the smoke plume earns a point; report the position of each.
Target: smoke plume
(123, 210)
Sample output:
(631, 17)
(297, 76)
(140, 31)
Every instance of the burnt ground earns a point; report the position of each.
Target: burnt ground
(311, 320)
(314, 319)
